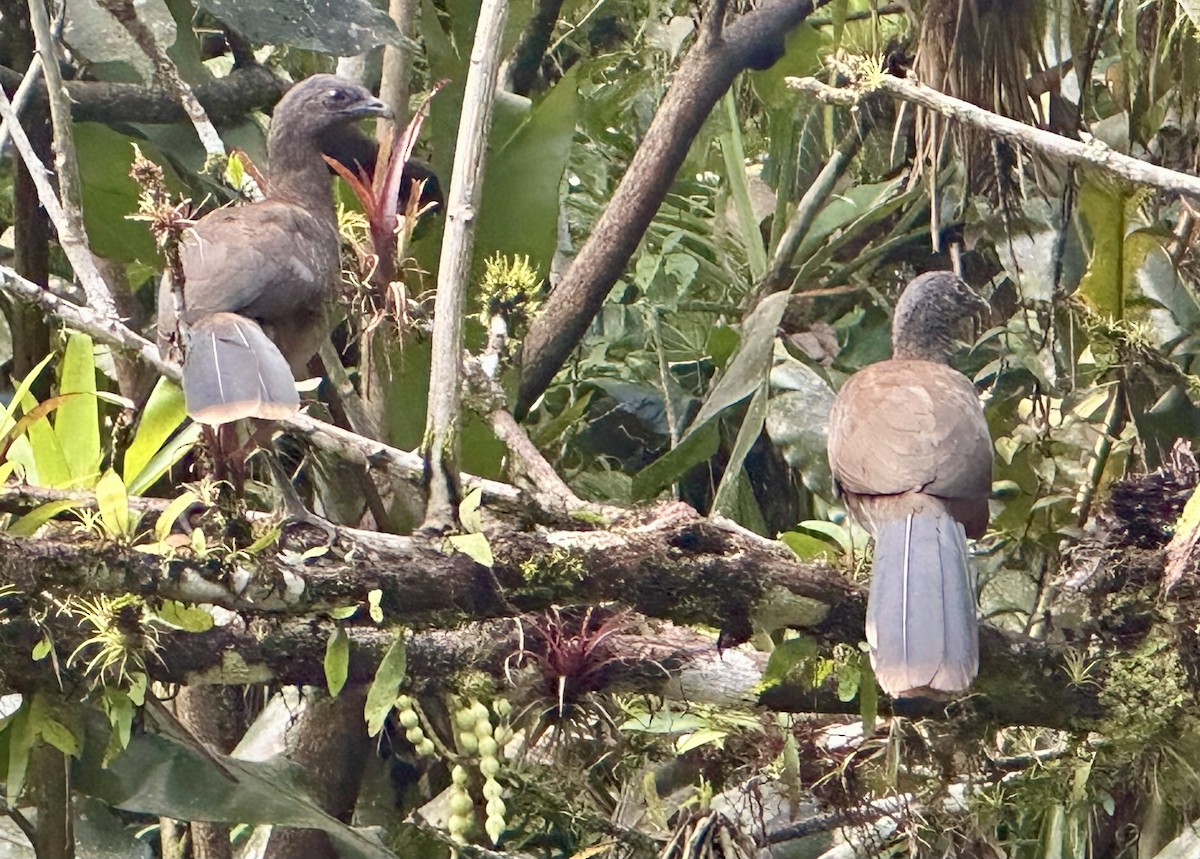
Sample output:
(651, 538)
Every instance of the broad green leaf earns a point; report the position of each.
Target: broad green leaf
(110, 195)
(337, 661)
(160, 776)
(1102, 208)
(163, 413)
(112, 500)
(744, 376)
(849, 680)
(748, 433)
(41, 453)
(384, 688)
(665, 722)
(20, 742)
(10, 408)
(189, 618)
(166, 456)
(167, 519)
(39, 516)
(475, 546)
(77, 422)
(519, 209)
(702, 737)
(734, 154)
(806, 547)
(786, 656)
(58, 735)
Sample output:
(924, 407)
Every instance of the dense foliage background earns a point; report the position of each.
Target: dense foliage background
(588, 667)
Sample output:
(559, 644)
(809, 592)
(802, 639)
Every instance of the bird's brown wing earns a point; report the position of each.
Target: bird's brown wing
(903, 426)
(263, 261)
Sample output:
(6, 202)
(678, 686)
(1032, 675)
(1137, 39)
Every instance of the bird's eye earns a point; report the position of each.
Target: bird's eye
(337, 96)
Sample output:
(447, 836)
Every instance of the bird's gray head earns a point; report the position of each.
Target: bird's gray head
(318, 104)
(929, 316)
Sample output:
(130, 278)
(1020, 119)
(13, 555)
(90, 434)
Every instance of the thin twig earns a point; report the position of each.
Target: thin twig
(166, 72)
(1094, 154)
(444, 423)
(350, 446)
(21, 96)
(67, 216)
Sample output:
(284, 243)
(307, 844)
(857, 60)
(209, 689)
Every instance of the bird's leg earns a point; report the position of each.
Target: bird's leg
(294, 509)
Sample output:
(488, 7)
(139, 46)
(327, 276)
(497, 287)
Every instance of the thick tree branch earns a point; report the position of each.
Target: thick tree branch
(227, 99)
(755, 40)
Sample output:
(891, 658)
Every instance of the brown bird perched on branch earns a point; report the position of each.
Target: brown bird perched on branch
(910, 451)
(257, 277)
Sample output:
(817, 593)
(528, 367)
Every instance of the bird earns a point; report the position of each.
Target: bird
(257, 278)
(911, 455)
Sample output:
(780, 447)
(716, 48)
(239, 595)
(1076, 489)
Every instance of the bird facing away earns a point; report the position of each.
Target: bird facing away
(910, 452)
(257, 278)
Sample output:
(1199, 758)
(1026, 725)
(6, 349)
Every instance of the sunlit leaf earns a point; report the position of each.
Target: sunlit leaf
(337, 661)
(388, 678)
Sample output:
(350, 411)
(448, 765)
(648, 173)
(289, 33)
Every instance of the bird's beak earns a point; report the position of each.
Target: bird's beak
(370, 107)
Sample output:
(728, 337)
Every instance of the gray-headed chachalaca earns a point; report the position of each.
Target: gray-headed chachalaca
(910, 451)
(257, 277)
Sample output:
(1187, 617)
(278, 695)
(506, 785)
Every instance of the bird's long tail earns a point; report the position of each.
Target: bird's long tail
(921, 623)
(232, 370)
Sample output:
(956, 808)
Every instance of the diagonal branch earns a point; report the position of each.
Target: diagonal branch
(753, 41)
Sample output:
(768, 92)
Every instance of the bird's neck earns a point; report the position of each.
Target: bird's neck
(299, 175)
(924, 340)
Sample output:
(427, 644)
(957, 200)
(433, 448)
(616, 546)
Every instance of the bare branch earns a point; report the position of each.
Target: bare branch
(444, 423)
(1094, 154)
(755, 40)
(165, 71)
(229, 98)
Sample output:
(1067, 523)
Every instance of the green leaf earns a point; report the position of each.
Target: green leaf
(386, 685)
(162, 415)
(748, 433)
(167, 519)
(39, 516)
(868, 696)
(166, 456)
(77, 422)
(58, 735)
(1102, 208)
(343, 612)
(42, 649)
(476, 546)
(702, 737)
(20, 743)
(337, 661)
(806, 547)
(721, 344)
(113, 502)
(468, 511)
(849, 678)
(696, 447)
(786, 656)
(110, 195)
(188, 618)
(10, 408)
(42, 455)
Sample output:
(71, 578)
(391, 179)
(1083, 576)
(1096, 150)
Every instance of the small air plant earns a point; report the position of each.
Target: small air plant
(122, 633)
(390, 220)
(573, 656)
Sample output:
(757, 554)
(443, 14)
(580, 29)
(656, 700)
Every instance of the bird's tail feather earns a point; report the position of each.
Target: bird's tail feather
(232, 370)
(921, 623)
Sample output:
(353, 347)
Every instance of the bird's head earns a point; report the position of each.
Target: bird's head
(930, 314)
(320, 104)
